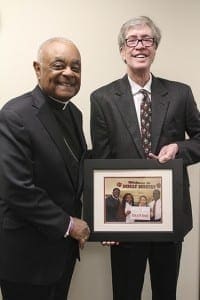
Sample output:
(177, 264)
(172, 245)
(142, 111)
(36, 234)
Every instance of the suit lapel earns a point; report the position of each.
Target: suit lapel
(78, 127)
(124, 102)
(160, 102)
(48, 120)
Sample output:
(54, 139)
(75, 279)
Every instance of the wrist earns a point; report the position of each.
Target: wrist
(71, 224)
(70, 227)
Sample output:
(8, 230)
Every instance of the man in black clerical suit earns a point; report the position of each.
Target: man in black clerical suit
(42, 148)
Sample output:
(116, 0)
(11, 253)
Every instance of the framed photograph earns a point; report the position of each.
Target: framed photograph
(133, 199)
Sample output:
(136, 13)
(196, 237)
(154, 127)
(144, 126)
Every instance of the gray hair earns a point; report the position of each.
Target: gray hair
(49, 41)
(142, 20)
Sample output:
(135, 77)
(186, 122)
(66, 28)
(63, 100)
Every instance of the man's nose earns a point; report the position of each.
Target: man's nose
(139, 44)
(67, 71)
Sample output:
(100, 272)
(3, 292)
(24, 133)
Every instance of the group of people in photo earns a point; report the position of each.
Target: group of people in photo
(118, 207)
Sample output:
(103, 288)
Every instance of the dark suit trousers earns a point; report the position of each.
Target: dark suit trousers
(23, 291)
(129, 264)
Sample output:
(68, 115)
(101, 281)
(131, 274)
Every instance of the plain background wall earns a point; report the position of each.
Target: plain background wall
(94, 26)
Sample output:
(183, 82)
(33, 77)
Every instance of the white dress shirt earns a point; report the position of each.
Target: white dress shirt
(138, 96)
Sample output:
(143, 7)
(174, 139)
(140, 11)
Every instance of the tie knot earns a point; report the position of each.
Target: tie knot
(144, 92)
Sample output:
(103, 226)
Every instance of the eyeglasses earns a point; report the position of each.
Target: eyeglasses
(133, 42)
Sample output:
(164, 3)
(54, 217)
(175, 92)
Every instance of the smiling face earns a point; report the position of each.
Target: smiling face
(142, 201)
(129, 198)
(138, 58)
(59, 69)
(116, 192)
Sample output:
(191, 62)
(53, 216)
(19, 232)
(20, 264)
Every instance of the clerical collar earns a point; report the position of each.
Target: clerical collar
(135, 88)
(58, 104)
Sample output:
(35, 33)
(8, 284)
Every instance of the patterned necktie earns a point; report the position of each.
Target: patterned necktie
(154, 211)
(145, 115)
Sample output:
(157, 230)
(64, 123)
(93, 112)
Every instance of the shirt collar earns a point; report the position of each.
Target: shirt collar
(135, 88)
(61, 102)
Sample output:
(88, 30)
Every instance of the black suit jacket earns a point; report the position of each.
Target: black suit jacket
(115, 131)
(112, 207)
(39, 191)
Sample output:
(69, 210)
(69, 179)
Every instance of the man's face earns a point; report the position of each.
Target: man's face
(116, 193)
(138, 58)
(59, 70)
(156, 194)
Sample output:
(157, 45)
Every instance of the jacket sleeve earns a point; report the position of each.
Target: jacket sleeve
(99, 131)
(189, 149)
(23, 199)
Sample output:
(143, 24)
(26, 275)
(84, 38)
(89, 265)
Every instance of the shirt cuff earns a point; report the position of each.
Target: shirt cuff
(71, 223)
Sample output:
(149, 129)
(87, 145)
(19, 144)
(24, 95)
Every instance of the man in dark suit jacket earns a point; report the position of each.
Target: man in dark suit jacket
(112, 204)
(116, 134)
(42, 148)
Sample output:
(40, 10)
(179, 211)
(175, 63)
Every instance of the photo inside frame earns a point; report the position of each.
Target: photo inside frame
(112, 212)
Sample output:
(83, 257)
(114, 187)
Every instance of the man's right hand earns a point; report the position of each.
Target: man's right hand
(79, 231)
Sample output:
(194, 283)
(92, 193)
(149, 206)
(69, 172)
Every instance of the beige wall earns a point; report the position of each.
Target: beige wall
(93, 25)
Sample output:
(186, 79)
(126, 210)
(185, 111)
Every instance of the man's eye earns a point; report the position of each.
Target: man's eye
(132, 40)
(76, 69)
(58, 67)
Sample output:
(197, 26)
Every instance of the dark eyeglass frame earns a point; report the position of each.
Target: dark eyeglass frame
(149, 41)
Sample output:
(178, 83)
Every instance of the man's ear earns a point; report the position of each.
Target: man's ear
(36, 66)
(122, 53)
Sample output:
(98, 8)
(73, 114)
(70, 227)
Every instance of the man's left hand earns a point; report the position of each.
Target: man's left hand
(166, 153)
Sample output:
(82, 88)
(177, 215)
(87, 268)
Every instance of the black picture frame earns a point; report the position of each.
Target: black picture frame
(147, 175)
